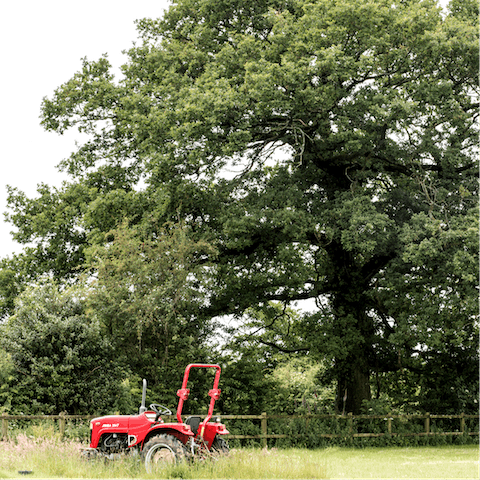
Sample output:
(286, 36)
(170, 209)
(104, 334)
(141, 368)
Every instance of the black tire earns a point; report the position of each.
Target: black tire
(89, 454)
(220, 446)
(163, 450)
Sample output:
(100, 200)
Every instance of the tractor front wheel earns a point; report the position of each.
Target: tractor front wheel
(162, 450)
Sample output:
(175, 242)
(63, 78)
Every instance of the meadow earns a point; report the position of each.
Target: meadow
(52, 458)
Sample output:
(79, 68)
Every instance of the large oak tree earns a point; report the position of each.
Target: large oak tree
(326, 148)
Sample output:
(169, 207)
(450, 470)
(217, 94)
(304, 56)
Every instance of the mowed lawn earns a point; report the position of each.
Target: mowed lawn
(413, 462)
(55, 459)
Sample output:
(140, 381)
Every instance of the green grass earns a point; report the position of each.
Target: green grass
(61, 460)
(51, 458)
(459, 462)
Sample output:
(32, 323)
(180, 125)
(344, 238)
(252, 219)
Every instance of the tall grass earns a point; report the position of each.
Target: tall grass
(51, 457)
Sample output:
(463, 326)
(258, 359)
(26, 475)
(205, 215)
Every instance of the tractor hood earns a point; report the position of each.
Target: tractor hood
(122, 422)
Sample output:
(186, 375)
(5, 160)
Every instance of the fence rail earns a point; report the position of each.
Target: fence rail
(264, 418)
(350, 419)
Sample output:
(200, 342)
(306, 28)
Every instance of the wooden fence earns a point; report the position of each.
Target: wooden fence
(264, 418)
(350, 420)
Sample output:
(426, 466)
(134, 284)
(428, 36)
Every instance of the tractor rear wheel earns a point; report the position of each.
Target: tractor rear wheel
(162, 450)
(220, 446)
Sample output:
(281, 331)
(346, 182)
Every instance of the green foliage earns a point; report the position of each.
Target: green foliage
(298, 389)
(59, 359)
(6, 379)
(246, 388)
(353, 146)
(257, 378)
(10, 286)
(147, 295)
(49, 225)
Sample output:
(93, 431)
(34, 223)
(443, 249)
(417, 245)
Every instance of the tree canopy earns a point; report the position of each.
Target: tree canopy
(326, 150)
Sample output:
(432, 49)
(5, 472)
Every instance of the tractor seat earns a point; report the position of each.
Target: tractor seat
(193, 421)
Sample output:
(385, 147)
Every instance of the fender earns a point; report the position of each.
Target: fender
(181, 431)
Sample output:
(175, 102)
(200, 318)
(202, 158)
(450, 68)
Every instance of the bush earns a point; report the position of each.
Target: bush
(60, 361)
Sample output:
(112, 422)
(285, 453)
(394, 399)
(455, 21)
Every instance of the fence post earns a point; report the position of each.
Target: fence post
(264, 429)
(389, 424)
(462, 422)
(427, 423)
(61, 425)
(4, 427)
(350, 423)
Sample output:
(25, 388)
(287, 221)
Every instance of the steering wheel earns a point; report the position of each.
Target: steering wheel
(159, 410)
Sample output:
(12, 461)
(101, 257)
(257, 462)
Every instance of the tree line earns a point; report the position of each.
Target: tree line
(286, 187)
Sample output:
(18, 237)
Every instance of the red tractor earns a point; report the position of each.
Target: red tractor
(157, 441)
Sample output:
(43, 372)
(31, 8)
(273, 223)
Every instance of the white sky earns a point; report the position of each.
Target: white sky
(43, 42)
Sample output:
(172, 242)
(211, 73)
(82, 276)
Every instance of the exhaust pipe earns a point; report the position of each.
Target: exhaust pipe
(143, 408)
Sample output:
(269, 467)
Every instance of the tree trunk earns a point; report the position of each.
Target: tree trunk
(353, 385)
(355, 332)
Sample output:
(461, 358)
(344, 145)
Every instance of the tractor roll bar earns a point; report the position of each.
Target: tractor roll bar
(214, 393)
